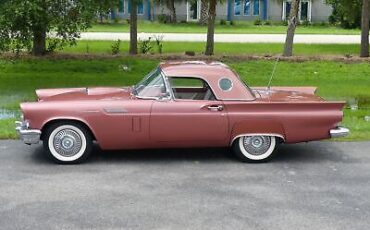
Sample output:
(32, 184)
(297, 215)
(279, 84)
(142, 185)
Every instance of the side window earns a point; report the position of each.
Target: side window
(191, 89)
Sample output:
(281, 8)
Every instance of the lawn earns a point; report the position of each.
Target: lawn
(240, 27)
(336, 80)
(104, 47)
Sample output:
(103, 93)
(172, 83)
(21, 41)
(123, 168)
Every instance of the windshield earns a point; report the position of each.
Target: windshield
(151, 86)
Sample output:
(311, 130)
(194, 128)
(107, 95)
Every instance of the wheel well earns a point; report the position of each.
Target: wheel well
(49, 123)
(279, 138)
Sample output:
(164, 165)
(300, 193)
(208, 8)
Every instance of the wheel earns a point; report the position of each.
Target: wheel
(67, 142)
(254, 148)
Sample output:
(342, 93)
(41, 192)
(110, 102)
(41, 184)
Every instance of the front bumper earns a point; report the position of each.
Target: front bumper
(28, 136)
(339, 132)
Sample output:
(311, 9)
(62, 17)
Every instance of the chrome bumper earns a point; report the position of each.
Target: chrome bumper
(28, 136)
(339, 132)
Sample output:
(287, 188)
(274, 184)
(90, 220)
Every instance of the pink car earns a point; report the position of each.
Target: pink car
(178, 105)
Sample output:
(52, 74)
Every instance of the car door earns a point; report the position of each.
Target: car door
(191, 116)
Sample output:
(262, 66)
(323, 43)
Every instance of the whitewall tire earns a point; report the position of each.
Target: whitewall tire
(67, 142)
(257, 148)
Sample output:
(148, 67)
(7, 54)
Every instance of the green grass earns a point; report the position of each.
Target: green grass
(240, 27)
(336, 80)
(104, 47)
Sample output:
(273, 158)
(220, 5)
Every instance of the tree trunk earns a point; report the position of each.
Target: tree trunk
(365, 29)
(203, 12)
(211, 27)
(133, 27)
(171, 7)
(293, 21)
(39, 42)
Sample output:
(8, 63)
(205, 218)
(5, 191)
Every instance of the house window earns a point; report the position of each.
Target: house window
(304, 13)
(140, 7)
(256, 7)
(237, 7)
(121, 6)
(247, 7)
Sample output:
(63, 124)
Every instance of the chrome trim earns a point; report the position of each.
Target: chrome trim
(257, 134)
(339, 132)
(28, 136)
(115, 110)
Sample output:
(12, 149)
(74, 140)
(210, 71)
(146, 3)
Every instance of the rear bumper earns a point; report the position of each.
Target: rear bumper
(28, 136)
(339, 132)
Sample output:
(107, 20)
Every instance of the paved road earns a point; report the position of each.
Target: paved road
(232, 38)
(319, 185)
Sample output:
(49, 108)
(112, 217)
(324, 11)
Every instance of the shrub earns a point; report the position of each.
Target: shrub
(232, 23)
(222, 22)
(159, 43)
(257, 22)
(267, 23)
(305, 23)
(145, 46)
(162, 18)
(116, 47)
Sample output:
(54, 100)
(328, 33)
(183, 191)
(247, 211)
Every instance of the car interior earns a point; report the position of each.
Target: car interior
(191, 89)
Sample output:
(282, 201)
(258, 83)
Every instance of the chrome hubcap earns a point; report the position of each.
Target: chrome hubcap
(67, 142)
(256, 145)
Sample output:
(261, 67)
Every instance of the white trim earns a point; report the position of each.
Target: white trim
(63, 158)
(263, 156)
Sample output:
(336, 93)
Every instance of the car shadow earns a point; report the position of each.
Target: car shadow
(304, 153)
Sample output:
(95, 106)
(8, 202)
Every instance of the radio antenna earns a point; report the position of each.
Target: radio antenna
(272, 74)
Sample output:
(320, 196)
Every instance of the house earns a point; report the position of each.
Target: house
(189, 10)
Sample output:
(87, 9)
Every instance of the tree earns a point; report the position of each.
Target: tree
(293, 21)
(26, 24)
(104, 7)
(211, 27)
(203, 12)
(133, 27)
(365, 29)
(346, 12)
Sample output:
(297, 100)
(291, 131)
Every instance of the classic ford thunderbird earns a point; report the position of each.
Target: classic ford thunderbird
(178, 105)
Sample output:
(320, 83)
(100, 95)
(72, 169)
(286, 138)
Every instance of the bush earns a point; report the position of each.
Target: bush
(222, 22)
(159, 43)
(306, 23)
(232, 23)
(145, 46)
(162, 18)
(267, 23)
(116, 47)
(257, 22)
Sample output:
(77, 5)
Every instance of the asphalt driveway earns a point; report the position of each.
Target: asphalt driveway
(320, 185)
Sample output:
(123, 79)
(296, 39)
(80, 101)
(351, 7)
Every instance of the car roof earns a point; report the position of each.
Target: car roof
(196, 68)
(212, 72)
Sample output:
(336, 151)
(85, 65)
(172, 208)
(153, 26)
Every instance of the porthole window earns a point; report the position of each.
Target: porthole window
(225, 84)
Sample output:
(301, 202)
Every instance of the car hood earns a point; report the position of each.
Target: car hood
(287, 94)
(90, 93)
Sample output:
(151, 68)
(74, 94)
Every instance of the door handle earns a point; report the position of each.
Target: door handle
(216, 107)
